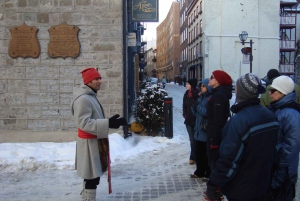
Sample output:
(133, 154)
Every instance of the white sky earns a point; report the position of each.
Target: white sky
(164, 7)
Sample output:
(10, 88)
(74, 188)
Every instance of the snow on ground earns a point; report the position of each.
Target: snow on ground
(45, 170)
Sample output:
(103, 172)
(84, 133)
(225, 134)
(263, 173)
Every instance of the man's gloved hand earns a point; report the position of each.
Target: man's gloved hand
(213, 193)
(116, 122)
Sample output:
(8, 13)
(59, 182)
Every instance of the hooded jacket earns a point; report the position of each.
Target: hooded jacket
(288, 141)
(200, 111)
(247, 152)
(187, 104)
(89, 117)
(218, 111)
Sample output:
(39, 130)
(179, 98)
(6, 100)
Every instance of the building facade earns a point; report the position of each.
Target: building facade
(168, 45)
(183, 65)
(214, 29)
(35, 93)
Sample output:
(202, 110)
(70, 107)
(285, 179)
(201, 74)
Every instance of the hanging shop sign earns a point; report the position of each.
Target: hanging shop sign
(144, 10)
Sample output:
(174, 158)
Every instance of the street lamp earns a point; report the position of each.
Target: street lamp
(243, 37)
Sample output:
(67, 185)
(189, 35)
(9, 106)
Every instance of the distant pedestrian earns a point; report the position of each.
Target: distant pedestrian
(217, 112)
(247, 151)
(265, 98)
(288, 141)
(184, 80)
(189, 98)
(92, 147)
(199, 110)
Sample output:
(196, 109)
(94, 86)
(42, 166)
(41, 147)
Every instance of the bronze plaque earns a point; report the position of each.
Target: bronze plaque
(24, 42)
(63, 41)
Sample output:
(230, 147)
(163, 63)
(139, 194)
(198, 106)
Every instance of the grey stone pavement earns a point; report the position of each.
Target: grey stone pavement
(170, 184)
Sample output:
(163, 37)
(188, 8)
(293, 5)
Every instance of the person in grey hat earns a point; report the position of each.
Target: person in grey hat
(247, 151)
(265, 98)
(288, 141)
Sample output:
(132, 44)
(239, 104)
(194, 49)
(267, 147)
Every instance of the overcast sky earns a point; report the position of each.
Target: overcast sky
(150, 32)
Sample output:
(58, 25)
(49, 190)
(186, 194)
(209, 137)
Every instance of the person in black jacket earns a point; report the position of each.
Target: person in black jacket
(248, 148)
(217, 113)
(189, 98)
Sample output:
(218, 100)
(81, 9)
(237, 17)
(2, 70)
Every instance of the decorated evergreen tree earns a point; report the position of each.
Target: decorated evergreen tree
(150, 109)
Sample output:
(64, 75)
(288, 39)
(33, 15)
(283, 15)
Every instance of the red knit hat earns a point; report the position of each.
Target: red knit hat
(222, 77)
(89, 74)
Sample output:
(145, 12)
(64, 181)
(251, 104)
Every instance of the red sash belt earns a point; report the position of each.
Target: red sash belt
(85, 135)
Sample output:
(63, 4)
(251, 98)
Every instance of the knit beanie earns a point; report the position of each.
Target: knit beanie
(222, 77)
(193, 82)
(273, 73)
(248, 86)
(284, 84)
(89, 74)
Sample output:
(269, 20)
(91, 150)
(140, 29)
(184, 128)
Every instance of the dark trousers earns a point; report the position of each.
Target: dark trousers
(190, 130)
(92, 183)
(263, 198)
(203, 169)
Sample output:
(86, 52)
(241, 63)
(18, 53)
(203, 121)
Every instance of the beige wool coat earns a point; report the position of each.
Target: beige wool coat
(89, 117)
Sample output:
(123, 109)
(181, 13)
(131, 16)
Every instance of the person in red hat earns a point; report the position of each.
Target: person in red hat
(92, 148)
(218, 111)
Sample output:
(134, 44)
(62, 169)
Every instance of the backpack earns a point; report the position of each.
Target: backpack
(293, 105)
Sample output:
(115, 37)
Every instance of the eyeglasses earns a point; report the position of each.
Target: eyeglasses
(202, 85)
(272, 90)
(212, 77)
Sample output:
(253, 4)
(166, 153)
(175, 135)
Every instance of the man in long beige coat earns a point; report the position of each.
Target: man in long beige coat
(92, 141)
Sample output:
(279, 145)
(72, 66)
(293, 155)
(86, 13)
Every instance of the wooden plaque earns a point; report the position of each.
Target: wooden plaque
(24, 42)
(63, 41)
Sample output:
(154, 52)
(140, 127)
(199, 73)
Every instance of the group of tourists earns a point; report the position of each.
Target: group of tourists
(248, 151)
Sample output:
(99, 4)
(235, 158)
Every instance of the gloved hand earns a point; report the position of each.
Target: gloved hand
(213, 193)
(116, 122)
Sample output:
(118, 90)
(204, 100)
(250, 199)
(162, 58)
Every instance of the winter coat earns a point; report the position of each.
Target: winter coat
(187, 104)
(265, 98)
(288, 141)
(247, 152)
(89, 117)
(199, 112)
(217, 111)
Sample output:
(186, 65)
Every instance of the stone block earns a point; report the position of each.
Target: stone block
(3, 86)
(44, 124)
(66, 85)
(12, 72)
(17, 85)
(69, 124)
(66, 98)
(43, 18)
(100, 58)
(70, 72)
(50, 111)
(34, 111)
(15, 98)
(17, 112)
(4, 110)
(13, 124)
(22, 3)
(42, 72)
(49, 85)
(115, 58)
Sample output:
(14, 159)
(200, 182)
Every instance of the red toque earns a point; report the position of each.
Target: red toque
(222, 77)
(89, 74)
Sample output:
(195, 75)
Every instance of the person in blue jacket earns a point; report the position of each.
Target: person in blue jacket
(199, 110)
(288, 140)
(248, 148)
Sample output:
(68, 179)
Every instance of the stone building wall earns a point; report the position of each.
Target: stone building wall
(35, 94)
